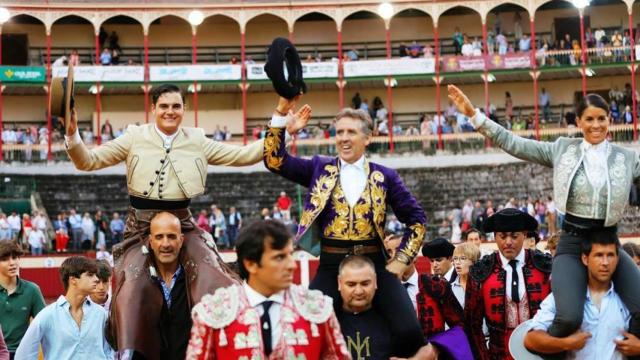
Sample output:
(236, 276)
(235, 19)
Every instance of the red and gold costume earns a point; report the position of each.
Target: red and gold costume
(486, 298)
(437, 305)
(225, 327)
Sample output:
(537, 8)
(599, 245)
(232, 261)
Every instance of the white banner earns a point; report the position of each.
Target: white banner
(195, 72)
(102, 73)
(389, 67)
(309, 71)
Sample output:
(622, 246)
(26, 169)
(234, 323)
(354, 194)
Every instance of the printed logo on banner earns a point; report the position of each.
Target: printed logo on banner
(22, 74)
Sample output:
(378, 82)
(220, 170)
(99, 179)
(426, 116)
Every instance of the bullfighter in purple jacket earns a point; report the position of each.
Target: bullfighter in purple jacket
(346, 206)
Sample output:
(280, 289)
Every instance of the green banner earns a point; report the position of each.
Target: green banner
(22, 74)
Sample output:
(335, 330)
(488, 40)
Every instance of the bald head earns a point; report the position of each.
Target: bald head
(165, 239)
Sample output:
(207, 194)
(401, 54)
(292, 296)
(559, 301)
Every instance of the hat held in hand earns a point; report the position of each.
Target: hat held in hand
(284, 69)
(61, 96)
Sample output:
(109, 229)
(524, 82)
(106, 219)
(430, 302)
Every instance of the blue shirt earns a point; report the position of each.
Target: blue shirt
(116, 225)
(166, 289)
(605, 325)
(55, 329)
(75, 221)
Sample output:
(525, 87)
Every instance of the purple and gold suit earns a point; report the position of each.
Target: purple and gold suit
(345, 230)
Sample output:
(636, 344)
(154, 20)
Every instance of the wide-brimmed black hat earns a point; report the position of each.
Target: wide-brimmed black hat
(285, 69)
(437, 248)
(61, 96)
(509, 220)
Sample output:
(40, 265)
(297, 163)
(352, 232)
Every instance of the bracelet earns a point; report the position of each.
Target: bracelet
(280, 112)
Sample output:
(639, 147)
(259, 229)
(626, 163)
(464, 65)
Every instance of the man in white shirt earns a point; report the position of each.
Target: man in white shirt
(15, 224)
(603, 334)
(36, 241)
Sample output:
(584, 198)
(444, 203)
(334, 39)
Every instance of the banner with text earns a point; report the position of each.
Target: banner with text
(22, 74)
(389, 67)
(102, 73)
(309, 71)
(195, 73)
(495, 61)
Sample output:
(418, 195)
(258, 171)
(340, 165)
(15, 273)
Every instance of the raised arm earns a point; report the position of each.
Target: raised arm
(108, 154)
(526, 149)
(275, 155)
(219, 153)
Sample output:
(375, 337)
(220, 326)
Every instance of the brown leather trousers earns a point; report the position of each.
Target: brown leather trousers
(134, 321)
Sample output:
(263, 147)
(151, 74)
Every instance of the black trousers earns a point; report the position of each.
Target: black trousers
(391, 301)
(569, 281)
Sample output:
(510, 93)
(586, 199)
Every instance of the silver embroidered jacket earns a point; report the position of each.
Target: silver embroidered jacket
(565, 157)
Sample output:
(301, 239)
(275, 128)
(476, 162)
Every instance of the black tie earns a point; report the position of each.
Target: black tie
(265, 321)
(514, 281)
(406, 285)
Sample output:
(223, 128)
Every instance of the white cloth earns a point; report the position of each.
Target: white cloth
(166, 139)
(255, 301)
(605, 325)
(412, 288)
(353, 180)
(458, 291)
(106, 256)
(449, 274)
(509, 279)
(595, 163)
(14, 222)
(36, 238)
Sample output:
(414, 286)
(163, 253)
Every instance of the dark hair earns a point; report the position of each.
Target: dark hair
(604, 236)
(75, 266)
(356, 261)
(466, 234)
(165, 89)
(103, 270)
(9, 249)
(594, 100)
(251, 241)
(631, 249)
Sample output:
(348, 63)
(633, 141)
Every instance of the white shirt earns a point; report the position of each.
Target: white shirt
(14, 222)
(353, 180)
(458, 291)
(255, 301)
(605, 325)
(412, 288)
(595, 163)
(507, 268)
(449, 274)
(36, 238)
(166, 139)
(106, 256)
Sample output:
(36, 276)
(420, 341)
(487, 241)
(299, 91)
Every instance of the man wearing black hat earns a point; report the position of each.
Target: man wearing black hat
(439, 251)
(507, 287)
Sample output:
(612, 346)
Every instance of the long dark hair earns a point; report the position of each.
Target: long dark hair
(594, 100)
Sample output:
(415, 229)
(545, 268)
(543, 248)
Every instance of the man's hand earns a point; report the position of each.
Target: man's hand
(461, 101)
(396, 268)
(577, 340)
(297, 121)
(427, 352)
(285, 105)
(629, 346)
(72, 126)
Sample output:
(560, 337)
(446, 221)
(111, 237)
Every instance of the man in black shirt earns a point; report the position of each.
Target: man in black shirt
(365, 330)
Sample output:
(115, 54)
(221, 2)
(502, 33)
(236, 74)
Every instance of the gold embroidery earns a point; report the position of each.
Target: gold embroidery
(378, 199)
(414, 243)
(350, 223)
(271, 148)
(319, 195)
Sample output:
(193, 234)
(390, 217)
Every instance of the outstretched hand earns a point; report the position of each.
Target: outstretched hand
(630, 346)
(461, 101)
(297, 121)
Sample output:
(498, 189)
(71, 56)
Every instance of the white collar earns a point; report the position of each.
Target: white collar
(413, 279)
(519, 258)
(359, 164)
(255, 298)
(164, 136)
(449, 273)
(600, 148)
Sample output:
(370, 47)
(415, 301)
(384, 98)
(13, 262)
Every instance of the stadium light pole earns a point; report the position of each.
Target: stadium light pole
(385, 10)
(534, 73)
(4, 17)
(195, 18)
(581, 5)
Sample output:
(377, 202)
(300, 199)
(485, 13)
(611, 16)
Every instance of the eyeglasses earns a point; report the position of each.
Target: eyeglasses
(459, 258)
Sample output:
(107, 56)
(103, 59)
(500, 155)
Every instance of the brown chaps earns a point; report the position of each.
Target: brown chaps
(134, 321)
